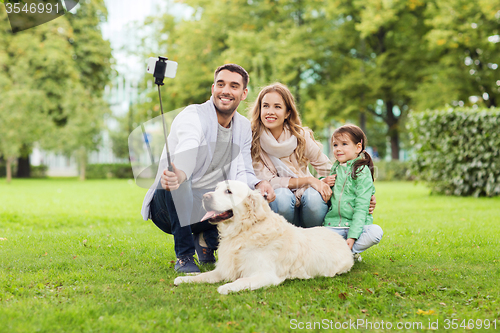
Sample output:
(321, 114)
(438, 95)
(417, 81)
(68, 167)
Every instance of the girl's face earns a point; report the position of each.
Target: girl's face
(273, 113)
(344, 149)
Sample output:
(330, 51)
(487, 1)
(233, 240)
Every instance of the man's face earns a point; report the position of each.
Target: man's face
(228, 92)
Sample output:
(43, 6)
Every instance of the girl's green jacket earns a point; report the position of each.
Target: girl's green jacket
(351, 199)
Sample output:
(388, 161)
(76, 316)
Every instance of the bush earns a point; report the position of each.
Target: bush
(39, 171)
(457, 150)
(103, 171)
(392, 170)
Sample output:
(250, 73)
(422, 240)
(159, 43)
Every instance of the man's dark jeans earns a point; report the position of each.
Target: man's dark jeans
(164, 215)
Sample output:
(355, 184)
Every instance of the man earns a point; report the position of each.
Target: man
(208, 142)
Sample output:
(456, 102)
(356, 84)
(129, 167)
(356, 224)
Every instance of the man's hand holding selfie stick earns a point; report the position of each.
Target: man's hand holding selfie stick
(171, 180)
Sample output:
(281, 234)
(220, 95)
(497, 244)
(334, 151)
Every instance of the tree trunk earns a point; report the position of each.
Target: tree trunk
(362, 115)
(394, 135)
(362, 121)
(23, 167)
(493, 102)
(8, 167)
(393, 132)
(82, 171)
(82, 161)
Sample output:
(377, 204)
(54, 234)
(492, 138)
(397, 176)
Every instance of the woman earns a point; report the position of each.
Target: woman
(281, 151)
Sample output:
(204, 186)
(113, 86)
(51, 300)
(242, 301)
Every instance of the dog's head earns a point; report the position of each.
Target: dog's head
(234, 201)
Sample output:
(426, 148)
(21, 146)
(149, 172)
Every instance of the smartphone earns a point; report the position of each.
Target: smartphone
(170, 71)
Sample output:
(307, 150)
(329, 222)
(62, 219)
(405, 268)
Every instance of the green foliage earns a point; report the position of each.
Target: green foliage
(464, 60)
(341, 59)
(92, 53)
(52, 79)
(36, 80)
(81, 259)
(103, 171)
(38, 171)
(119, 140)
(458, 150)
(376, 134)
(23, 119)
(392, 170)
(119, 136)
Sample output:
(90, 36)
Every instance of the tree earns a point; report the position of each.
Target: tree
(93, 59)
(119, 136)
(255, 35)
(377, 56)
(36, 73)
(363, 61)
(68, 63)
(463, 40)
(82, 132)
(92, 53)
(338, 59)
(18, 124)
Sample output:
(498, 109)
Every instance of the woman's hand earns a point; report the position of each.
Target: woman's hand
(373, 203)
(350, 243)
(266, 190)
(321, 187)
(330, 180)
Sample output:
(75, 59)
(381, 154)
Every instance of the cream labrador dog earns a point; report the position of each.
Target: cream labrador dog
(259, 248)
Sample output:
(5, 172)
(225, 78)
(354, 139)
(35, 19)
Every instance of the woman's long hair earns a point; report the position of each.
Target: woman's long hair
(356, 135)
(293, 122)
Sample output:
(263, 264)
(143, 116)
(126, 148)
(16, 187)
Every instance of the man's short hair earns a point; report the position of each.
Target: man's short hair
(235, 69)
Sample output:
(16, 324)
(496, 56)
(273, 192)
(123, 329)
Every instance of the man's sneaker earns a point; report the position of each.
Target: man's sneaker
(186, 265)
(205, 254)
(357, 257)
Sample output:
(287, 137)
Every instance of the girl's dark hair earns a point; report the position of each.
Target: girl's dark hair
(356, 135)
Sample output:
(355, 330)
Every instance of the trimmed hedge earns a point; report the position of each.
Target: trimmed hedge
(3, 170)
(457, 150)
(39, 171)
(103, 171)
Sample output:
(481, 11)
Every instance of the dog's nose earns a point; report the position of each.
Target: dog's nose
(207, 200)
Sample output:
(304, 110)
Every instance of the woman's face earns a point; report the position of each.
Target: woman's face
(273, 113)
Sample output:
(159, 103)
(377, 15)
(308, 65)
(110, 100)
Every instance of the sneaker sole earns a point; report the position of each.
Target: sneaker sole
(188, 273)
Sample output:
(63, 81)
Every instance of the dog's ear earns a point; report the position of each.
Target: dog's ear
(260, 207)
(253, 209)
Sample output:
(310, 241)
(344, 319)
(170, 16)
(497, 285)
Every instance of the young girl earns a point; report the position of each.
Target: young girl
(281, 151)
(348, 213)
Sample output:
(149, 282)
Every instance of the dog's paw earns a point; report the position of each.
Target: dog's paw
(181, 279)
(224, 290)
(230, 288)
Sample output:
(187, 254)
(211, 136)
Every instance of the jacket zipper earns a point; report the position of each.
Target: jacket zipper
(340, 200)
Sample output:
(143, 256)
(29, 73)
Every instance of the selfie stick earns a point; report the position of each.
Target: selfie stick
(159, 75)
(146, 139)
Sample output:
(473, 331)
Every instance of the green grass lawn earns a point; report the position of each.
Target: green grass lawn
(77, 257)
